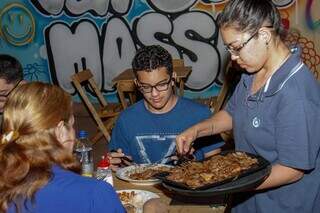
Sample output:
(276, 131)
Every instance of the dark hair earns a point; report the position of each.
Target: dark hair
(152, 57)
(10, 69)
(250, 15)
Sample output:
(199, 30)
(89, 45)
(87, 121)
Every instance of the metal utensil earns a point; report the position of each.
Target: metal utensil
(181, 158)
(124, 158)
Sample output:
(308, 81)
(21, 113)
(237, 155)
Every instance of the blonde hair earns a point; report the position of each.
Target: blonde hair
(31, 113)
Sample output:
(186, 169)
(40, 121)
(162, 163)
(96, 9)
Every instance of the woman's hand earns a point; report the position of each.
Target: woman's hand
(185, 140)
(219, 122)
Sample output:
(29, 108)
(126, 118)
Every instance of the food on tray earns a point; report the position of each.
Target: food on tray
(146, 173)
(216, 169)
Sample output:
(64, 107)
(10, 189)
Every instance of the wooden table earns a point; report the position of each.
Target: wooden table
(125, 82)
(174, 201)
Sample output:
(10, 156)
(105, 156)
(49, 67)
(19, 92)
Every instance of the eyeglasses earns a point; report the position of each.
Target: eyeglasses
(8, 93)
(236, 50)
(147, 88)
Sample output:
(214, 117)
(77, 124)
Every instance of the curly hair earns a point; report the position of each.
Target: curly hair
(250, 15)
(10, 69)
(33, 111)
(150, 58)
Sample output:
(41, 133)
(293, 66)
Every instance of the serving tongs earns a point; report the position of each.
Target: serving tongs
(184, 159)
(180, 159)
(177, 159)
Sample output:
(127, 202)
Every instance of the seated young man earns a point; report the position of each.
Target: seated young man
(11, 75)
(146, 131)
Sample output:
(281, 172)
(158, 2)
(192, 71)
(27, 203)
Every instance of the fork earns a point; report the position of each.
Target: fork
(181, 158)
(125, 158)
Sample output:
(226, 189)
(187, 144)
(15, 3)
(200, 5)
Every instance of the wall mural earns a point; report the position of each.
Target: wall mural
(310, 21)
(55, 38)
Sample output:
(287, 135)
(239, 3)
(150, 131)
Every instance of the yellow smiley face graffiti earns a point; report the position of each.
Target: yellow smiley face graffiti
(17, 25)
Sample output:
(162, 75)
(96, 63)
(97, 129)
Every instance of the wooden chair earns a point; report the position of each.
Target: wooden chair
(105, 115)
(217, 103)
(232, 77)
(127, 88)
(177, 62)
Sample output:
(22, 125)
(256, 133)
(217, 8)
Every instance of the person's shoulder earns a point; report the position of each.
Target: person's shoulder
(134, 107)
(192, 109)
(192, 104)
(64, 178)
(80, 194)
(102, 187)
(106, 198)
(303, 76)
(306, 74)
(306, 83)
(301, 88)
(132, 110)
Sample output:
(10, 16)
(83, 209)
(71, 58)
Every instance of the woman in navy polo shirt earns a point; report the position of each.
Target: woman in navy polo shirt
(274, 111)
(38, 170)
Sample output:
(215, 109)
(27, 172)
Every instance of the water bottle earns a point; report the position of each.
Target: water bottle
(84, 153)
(104, 171)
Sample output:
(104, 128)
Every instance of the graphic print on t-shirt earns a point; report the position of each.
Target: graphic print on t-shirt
(154, 148)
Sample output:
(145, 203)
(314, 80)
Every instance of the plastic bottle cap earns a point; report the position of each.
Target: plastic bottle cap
(83, 134)
(104, 162)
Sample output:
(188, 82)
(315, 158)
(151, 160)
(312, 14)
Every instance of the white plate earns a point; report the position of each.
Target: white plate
(125, 172)
(141, 196)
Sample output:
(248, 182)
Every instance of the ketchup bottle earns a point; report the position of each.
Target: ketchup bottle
(104, 171)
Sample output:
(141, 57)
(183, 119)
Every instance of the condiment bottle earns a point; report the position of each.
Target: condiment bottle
(104, 171)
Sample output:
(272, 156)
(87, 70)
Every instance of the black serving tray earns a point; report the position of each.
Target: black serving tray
(242, 184)
(253, 174)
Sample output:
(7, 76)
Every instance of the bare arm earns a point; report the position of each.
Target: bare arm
(281, 175)
(219, 122)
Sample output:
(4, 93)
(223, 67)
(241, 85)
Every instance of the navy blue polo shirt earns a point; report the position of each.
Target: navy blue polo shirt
(281, 122)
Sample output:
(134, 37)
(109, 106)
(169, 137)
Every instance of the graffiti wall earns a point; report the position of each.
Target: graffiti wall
(55, 38)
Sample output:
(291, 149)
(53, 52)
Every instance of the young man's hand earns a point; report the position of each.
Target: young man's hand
(118, 159)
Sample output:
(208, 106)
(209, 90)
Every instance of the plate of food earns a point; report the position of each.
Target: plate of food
(133, 200)
(142, 174)
(226, 172)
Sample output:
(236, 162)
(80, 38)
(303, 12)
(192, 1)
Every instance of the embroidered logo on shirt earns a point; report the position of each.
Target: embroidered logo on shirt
(256, 122)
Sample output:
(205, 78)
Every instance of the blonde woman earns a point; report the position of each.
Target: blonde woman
(38, 170)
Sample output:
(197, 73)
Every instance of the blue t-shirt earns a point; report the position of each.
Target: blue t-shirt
(68, 192)
(150, 137)
(281, 123)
